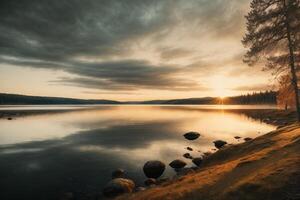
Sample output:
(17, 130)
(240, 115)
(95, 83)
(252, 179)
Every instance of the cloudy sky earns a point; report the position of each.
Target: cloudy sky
(125, 49)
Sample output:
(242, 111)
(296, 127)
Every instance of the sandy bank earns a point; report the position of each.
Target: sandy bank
(267, 167)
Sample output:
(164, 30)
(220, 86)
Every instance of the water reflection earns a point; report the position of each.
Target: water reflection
(44, 155)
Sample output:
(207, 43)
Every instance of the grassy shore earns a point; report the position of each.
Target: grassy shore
(267, 167)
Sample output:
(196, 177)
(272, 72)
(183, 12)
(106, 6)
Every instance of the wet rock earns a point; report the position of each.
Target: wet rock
(219, 143)
(177, 164)
(189, 148)
(150, 181)
(9, 118)
(237, 137)
(197, 161)
(247, 139)
(191, 135)
(154, 168)
(118, 173)
(188, 156)
(118, 186)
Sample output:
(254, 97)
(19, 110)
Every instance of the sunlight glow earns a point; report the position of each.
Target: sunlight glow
(220, 86)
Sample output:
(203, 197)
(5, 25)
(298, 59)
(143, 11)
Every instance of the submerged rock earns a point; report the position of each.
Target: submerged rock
(118, 186)
(191, 135)
(150, 181)
(197, 161)
(219, 143)
(177, 164)
(154, 168)
(188, 156)
(118, 173)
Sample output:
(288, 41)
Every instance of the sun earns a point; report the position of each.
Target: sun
(220, 86)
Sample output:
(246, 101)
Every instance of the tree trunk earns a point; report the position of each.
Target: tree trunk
(292, 60)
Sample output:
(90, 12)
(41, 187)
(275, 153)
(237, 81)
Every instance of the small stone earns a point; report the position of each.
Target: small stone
(237, 137)
(187, 155)
(189, 148)
(177, 164)
(191, 135)
(118, 186)
(219, 143)
(118, 173)
(150, 181)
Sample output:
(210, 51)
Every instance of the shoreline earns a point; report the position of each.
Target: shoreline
(266, 167)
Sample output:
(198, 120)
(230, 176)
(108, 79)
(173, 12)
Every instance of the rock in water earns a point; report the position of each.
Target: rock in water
(177, 164)
(154, 168)
(219, 143)
(191, 135)
(118, 186)
(118, 173)
(188, 156)
(237, 137)
(197, 161)
(150, 181)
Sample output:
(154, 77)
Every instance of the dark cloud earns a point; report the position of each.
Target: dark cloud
(55, 34)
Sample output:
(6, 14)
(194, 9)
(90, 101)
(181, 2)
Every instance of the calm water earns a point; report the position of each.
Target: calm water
(74, 149)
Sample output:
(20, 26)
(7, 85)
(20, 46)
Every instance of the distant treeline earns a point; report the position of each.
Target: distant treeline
(268, 97)
(15, 99)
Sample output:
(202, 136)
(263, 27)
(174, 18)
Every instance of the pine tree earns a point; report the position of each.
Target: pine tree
(273, 36)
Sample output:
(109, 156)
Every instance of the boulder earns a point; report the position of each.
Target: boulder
(191, 135)
(197, 161)
(219, 143)
(118, 173)
(188, 156)
(118, 186)
(177, 164)
(150, 181)
(154, 168)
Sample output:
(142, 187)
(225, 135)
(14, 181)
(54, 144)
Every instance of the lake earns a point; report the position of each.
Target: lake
(50, 150)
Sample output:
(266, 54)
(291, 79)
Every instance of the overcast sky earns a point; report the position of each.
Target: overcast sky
(125, 49)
